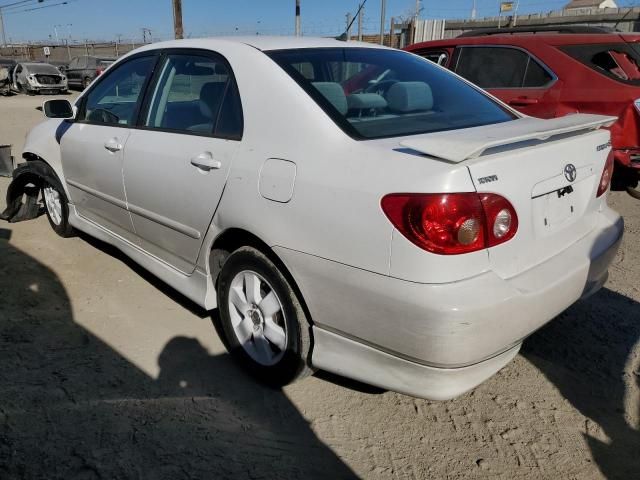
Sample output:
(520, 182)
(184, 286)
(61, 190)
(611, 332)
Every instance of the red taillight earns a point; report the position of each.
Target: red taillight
(452, 223)
(607, 173)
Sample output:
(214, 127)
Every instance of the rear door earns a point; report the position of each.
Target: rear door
(93, 146)
(512, 75)
(177, 161)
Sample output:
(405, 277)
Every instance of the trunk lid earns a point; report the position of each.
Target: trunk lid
(548, 169)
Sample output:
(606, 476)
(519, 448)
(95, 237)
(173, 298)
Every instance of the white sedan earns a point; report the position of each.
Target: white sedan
(346, 207)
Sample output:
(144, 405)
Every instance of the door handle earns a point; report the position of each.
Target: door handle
(205, 161)
(523, 101)
(113, 145)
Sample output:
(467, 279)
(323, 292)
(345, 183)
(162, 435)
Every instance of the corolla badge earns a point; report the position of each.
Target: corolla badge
(570, 172)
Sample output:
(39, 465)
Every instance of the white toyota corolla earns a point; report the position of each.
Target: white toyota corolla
(346, 207)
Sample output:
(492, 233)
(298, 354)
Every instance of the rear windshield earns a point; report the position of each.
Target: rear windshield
(376, 93)
(618, 61)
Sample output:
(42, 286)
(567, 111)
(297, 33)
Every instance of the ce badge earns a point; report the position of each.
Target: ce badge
(570, 172)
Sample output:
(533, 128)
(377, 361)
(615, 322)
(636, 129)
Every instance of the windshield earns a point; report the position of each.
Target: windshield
(376, 93)
(42, 68)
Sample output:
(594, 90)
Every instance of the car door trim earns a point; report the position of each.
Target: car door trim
(102, 196)
(166, 222)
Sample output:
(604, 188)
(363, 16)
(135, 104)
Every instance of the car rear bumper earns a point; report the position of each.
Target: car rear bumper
(370, 326)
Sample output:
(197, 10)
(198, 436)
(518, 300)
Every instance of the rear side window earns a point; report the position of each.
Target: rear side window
(196, 94)
(501, 67)
(617, 61)
(376, 93)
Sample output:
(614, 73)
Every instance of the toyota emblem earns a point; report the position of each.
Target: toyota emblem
(570, 172)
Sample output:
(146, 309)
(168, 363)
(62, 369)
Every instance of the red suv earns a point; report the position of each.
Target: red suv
(550, 72)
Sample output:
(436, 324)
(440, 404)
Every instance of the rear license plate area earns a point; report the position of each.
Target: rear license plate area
(558, 207)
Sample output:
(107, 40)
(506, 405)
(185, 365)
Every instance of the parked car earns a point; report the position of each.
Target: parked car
(345, 206)
(84, 69)
(7, 64)
(35, 78)
(549, 72)
(5, 80)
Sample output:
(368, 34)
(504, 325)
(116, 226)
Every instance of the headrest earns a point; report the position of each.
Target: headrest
(334, 93)
(410, 97)
(210, 97)
(366, 101)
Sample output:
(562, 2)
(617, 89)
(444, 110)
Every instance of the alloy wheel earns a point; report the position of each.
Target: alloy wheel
(257, 318)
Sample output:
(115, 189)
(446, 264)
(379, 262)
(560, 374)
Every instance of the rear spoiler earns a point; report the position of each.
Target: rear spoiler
(459, 145)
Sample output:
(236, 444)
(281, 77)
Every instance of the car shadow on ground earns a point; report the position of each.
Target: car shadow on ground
(72, 407)
(588, 354)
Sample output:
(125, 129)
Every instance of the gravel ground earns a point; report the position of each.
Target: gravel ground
(106, 373)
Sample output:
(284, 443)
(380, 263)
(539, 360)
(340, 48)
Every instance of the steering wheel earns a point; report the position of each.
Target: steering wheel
(381, 88)
(103, 116)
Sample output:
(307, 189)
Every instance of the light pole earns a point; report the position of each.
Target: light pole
(298, 23)
(4, 35)
(383, 20)
(55, 31)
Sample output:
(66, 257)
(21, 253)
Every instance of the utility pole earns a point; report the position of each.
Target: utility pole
(360, 19)
(298, 24)
(383, 20)
(417, 17)
(473, 10)
(144, 35)
(4, 35)
(177, 20)
(349, 20)
(118, 37)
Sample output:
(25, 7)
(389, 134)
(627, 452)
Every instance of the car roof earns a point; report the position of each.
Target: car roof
(264, 43)
(529, 38)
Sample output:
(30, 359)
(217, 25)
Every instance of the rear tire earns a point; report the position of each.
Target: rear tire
(634, 192)
(265, 327)
(56, 207)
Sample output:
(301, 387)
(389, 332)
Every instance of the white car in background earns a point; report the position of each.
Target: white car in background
(32, 78)
(346, 207)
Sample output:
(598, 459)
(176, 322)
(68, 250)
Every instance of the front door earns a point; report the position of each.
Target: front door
(177, 162)
(93, 146)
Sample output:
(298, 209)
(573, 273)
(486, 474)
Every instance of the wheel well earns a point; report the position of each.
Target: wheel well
(235, 238)
(30, 157)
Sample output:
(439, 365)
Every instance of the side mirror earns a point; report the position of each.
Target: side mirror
(57, 109)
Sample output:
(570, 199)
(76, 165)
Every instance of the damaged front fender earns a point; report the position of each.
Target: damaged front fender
(24, 191)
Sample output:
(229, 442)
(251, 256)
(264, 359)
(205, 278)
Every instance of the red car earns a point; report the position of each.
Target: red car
(551, 72)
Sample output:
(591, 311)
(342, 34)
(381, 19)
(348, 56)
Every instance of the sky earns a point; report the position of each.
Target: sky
(106, 19)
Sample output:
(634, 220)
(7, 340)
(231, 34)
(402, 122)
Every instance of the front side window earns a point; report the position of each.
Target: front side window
(196, 94)
(500, 67)
(115, 100)
(375, 93)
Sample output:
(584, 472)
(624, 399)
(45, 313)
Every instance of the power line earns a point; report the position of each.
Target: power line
(13, 12)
